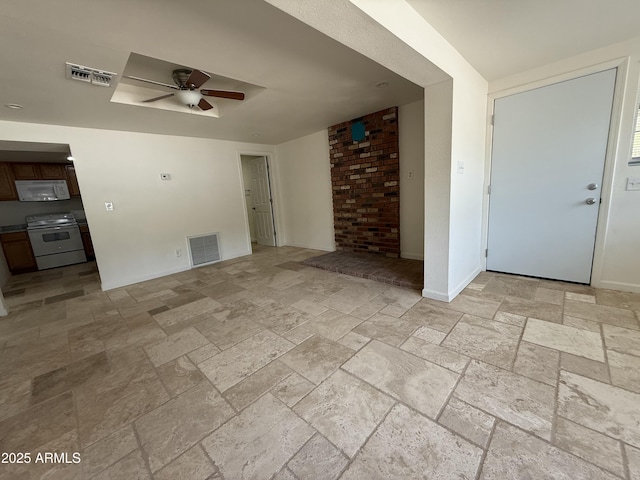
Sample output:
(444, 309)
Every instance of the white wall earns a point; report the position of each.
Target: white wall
(468, 135)
(616, 259)
(437, 181)
(151, 217)
(411, 139)
(462, 244)
(304, 192)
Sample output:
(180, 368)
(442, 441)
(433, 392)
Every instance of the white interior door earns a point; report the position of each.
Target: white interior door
(261, 202)
(549, 147)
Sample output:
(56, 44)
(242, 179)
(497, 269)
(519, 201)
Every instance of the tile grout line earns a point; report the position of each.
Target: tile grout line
(208, 457)
(286, 464)
(317, 432)
(513, 360)
(451, 393)
(485, 451)
(625, 461)
(606, 354)
(556, 399)
(421, 414)
(77, 418)
(554, 420)
(366, 440)
(143, 453)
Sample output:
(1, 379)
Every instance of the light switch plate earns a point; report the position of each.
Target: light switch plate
(633, 183)
(165, 176)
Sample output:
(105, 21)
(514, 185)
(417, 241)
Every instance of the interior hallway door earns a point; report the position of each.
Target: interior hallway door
(549, 147)
(261, 202)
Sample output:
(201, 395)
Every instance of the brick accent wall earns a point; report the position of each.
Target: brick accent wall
(365, 176)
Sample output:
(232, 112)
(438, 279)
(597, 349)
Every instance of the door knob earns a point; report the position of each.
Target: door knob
(590, 201)
(592, 186)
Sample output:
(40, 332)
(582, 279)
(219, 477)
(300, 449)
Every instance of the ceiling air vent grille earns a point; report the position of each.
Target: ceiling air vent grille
(204, 249)
(89, 75)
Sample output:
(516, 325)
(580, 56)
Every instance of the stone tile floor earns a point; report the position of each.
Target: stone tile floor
(260, 367)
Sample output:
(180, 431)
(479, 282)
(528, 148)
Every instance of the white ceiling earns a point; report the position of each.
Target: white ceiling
(309, 80)
(503, 37)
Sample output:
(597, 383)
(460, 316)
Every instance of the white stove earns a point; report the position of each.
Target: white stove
(55, 240)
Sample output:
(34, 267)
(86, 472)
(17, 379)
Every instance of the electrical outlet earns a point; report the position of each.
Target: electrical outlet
(165, 176)
(410, 173)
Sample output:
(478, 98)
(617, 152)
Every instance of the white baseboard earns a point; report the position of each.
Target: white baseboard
(624, 287)
(434, 295)
(448, 296)
(412, 256)
(105, 286)
(462, 285)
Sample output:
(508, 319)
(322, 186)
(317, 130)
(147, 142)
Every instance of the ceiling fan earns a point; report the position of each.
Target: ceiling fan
(187, 84)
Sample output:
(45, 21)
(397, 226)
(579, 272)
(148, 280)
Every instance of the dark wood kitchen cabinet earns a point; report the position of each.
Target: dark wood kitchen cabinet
(18, 253)
(52, 171)
(25, 171)
(86, 242)
(12, 171)
(72, 181)
(39, 171)
(7, 187)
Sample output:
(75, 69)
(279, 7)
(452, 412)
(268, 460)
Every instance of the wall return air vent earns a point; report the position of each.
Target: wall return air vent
(204, 249)
(89, 75)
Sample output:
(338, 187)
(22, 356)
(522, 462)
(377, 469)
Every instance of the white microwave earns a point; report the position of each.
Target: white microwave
(42, 190)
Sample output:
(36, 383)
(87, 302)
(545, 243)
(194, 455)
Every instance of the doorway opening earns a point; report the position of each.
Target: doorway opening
(38, 235)
(259, 199)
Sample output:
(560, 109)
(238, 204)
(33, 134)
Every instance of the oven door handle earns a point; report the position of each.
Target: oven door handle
(53, 228)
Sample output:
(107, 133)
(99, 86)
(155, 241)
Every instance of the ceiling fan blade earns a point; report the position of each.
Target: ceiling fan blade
(174, 87)
(197, 78)
(223, 94)
(158, 98)
(204, 105)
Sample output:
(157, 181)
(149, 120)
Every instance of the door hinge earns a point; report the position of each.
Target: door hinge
(486, 252)
(488, 189)
(493, 119)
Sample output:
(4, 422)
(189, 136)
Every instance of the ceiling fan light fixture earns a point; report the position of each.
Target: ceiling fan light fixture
(190, 98)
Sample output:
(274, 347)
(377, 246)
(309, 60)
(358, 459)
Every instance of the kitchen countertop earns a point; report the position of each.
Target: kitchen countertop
(13, 228)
